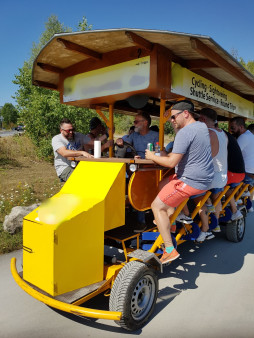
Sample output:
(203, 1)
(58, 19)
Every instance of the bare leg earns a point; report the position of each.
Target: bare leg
(203, 215)
(232, 201)
(162, 212)
(218, 207)
(185, 210)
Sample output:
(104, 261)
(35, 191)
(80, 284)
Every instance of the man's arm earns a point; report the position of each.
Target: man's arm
(169, 161)
(72, 153)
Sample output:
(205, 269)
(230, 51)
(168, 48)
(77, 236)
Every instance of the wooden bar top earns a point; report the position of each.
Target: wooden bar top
(112, 159)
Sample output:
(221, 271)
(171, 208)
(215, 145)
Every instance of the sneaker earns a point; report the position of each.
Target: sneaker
(184, 219)
(239, 202)
(217, 229)
(169, 257)
(204, 235)
(246, 193)
(250, 210)
(236, 215)
(210, 208)
(140, 227)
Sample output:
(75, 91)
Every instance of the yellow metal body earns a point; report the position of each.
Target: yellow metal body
(74, 309)
(64, 238)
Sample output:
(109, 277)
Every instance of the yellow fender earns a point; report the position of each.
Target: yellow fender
(77, 310)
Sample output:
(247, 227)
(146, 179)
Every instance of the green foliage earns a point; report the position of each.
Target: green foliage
(122, 123)
(223, 125)
(168, 129)
(39, 108)
(21, 195)
(249, 65)
(8, 242)
(9, 114)
(83, 25)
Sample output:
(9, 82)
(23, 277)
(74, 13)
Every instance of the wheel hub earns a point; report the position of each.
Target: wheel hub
(142, 297)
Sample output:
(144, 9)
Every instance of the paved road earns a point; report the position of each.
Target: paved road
(207, 292)
(4, 133)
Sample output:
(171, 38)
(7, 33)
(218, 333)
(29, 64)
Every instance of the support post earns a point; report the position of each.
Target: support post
(111, 126)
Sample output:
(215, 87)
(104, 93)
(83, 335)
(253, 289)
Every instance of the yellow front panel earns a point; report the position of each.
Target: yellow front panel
(38, 255)
(79, 251)
(65, 235)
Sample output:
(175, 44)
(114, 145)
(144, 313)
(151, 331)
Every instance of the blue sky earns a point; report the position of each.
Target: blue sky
(228, 22)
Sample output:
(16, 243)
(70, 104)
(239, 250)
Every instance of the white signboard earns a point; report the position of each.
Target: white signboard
(196, 87)
(120, 78)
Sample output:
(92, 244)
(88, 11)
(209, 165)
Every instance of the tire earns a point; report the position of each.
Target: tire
(223, 229)
(134, 293)
(235, 230)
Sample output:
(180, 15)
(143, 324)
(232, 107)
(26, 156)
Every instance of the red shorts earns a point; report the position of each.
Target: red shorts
(176, 191)
(235, 178)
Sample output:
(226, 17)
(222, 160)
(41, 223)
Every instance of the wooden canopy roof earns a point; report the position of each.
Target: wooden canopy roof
(200, 54)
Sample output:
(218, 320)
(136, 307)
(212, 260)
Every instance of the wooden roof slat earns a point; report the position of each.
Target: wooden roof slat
(45, 85)
(80, 49)
(207, 52)
(50, 68)
(199, 64)
(139, 41)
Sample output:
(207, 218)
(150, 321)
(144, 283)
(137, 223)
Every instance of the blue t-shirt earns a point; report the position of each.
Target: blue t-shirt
(196, 167)
(139, 142)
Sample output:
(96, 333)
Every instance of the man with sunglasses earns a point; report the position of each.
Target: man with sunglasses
(192, 159)
(142, 134)
(67, 143)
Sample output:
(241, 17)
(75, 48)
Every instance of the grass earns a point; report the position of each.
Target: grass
(24, 180)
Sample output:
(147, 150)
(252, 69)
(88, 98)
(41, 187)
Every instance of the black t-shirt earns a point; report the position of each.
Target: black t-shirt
(235, 157)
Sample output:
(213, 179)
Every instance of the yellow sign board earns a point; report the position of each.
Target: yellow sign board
(116, 79)
(196, 87)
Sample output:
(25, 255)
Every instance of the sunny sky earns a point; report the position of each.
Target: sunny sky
(228, 22)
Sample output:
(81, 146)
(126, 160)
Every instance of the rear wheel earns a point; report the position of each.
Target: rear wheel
(134, 293)
(235, 230)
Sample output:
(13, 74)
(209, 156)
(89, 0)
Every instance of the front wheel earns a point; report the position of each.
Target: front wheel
(134, 293)
(235, 230)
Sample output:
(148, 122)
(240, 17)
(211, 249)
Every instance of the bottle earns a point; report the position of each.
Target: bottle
(157, 149)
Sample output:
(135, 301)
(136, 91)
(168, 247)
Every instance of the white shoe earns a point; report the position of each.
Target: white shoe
(246, 193)
(184, 219)
(204, 236)
(236, 215)
(251, 209)
(217, 229)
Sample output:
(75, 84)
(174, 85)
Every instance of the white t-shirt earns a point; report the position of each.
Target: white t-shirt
(246, 143)
(59, 141)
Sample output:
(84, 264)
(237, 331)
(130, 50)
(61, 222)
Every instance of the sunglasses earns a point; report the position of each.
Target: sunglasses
(69, 130)
(137, 121)
(173, 117)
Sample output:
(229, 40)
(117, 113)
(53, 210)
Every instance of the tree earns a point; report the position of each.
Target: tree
(40, 108)
(83, 25)
(249, 65)
(9, 114)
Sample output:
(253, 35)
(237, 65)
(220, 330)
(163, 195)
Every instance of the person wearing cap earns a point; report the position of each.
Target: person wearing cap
(67, 144)
(97, 132)
(192, 159)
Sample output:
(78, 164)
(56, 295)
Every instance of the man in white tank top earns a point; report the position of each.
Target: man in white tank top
(219, 142)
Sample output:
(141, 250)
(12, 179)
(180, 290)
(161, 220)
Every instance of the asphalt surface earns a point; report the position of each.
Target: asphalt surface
(207, 292)
(5, 133)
